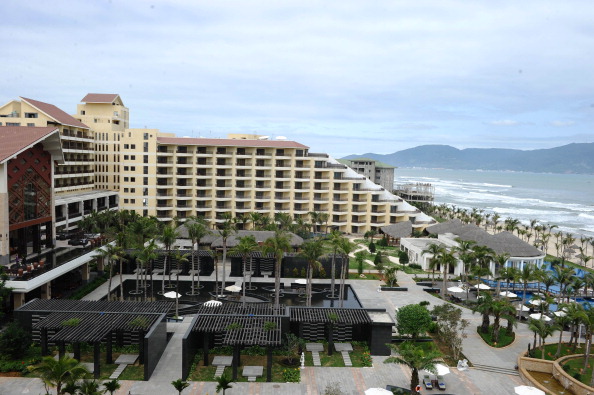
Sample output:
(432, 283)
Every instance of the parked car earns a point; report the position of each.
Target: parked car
(78, 242)
(63, 236)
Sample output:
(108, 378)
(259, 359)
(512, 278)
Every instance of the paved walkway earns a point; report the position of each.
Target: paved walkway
(314, 380)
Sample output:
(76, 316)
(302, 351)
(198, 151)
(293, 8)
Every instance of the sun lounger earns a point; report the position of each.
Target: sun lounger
(427, 382)
(441, 383)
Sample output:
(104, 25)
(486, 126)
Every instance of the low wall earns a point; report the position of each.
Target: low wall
(155, 342)
(527, 365)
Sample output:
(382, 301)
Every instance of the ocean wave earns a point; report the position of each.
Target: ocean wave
(587, 216)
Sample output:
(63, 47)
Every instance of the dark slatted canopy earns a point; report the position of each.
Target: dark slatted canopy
(250, 309)
(93, 327)
(249, 330)
(57, 305)
(323, 315)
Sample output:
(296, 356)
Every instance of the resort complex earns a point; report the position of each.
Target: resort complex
(141, 261)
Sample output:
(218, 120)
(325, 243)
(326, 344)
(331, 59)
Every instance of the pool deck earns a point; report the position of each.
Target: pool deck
(314, 380)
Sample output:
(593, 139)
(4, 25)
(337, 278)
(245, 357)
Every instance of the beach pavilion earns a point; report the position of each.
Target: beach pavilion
(397, 231)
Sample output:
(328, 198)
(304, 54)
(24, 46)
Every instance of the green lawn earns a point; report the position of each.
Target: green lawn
(504, 338)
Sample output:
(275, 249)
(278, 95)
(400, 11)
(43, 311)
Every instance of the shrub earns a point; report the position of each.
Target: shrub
(372, 247)
(415, 266)
(382, 242)
(14, 341)
(403, 257)
(291, 375)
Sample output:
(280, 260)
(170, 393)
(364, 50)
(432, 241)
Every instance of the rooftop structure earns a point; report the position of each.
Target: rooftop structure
(380, 173)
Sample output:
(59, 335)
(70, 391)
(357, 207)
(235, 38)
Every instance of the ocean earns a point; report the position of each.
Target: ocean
(566, 200)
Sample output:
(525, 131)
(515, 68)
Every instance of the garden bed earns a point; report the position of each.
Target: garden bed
(504, 338)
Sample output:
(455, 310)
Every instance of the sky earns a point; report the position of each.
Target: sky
(342, 77)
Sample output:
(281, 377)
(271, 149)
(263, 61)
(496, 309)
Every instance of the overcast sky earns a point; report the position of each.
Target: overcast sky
(340, 76)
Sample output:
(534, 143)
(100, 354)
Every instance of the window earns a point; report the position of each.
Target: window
(126, 168)
(30, 124)
(31, 115)
(133, 146)
(133, 179)
(126, 157)
(13, 124)
(125, 190)
(145, 170)
(145, 159)
(125, 200)
(82, 112)
(126, 146)
(145, 147)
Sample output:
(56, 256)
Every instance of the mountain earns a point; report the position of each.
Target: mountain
(571, 158)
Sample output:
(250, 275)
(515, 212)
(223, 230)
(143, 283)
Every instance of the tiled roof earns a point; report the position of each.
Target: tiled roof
(100, 98)
(16, 138)
(230, 142)
(55, 113)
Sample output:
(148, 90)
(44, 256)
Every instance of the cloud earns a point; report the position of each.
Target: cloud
(562, 123)
(505, 122)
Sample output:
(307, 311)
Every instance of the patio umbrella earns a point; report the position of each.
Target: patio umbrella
(527, 390)
(442, 369)
(455, 290)
(523, 308)
(301, 281)
(233, 288)
(560, 313)
(538, 316)
(536, 302)
(174, 295)
(378, 391)
(213, 303)
(508, 294)
(482, 286)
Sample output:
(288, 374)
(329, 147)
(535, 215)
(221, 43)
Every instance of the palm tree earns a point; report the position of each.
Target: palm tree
(446, 259)
(244, 248)
(168, 238)
(543, 330)
(223, 383)
(180, 385)
(197, 229)
(226, 229)
(121, 240)
(500, 260)
(179, 258)
(144, 257)
(110, 253)
(484, 306)
(112, 386)
(527, 274)
(416, 358)
(54, 373)
(90, 387)
(311, 251)
(345, 248)
(561, 321)
(435, 250)
(277, 245)
(498, 309)
(335, 237)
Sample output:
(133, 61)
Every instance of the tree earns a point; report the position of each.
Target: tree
(526, 275)
(498, 308)
(500, 260)
(244, 248)
(311, 250)
(14, 340)
(90, 387)
(446, 259)
(359, 258)
(223, 383)
(450, 327)
(55, 373)
(168, 237)
(110, 253)
(180, 385)
(111, 386)
(434, 250)
(483, 306)
(416, 358)
(226, 229)
(277, 245)
(145, 256)
(197, 229)
(345, 248)
(335, 237)
(561, 321)
(390, 275)
(121, 240)
(543, 330)
(413, 320)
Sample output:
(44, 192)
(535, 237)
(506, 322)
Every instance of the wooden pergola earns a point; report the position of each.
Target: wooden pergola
(253, 325)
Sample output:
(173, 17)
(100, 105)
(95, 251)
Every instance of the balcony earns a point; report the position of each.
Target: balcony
(203, 196)
(203, 208)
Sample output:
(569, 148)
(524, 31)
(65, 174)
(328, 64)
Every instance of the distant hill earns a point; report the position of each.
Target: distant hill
(571, 158)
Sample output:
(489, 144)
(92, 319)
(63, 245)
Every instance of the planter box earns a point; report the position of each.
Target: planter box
(432, 290)
(394, 289)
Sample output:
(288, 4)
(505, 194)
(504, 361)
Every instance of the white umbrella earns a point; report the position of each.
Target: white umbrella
(508, 294)
(213, 303)
(523, 308)
(538, 316)
(455, 290)
(442, 369)
(482, 286)
(377, 391)
(301, 281)
(527, 390)
(560, 313)
(536, 302)
(172, 295)
(233, 288)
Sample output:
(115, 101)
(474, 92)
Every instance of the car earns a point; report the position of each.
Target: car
(78, 242)
(63, 236)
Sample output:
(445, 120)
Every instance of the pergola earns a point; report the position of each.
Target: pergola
(252, 325)
(94, 322)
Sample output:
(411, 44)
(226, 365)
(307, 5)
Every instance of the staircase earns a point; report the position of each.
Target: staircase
(494, 369)
(220, 370)
(116, 373)
(347, 358)
(316, 358)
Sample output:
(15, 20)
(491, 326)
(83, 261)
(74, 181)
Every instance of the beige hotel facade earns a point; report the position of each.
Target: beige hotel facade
(109, 165)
